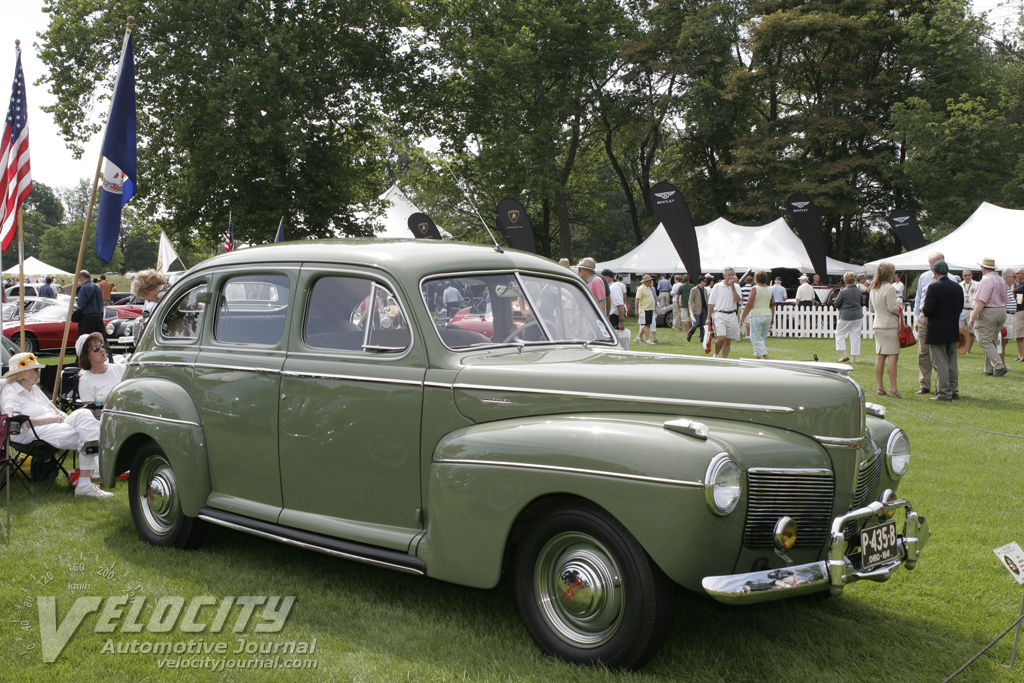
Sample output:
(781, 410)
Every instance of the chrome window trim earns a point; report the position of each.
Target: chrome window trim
(128, 413)
(351, 378)
(636, 399)
(571, 470)
(241, 368)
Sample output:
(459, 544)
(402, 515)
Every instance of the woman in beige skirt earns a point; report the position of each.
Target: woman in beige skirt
(882, 301)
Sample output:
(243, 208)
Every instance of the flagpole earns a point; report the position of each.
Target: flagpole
(85, 228)
(21, 273)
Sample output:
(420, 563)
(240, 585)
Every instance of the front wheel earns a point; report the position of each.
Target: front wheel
(588, 592)
(156, 509)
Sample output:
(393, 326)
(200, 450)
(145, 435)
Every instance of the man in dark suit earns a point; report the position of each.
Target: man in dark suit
(942, 308)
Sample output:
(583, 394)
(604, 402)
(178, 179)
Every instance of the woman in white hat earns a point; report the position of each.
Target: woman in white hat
(96, 377)
(21, 394)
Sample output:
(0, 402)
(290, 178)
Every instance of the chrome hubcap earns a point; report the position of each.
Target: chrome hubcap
(579, 589)
(159, 495)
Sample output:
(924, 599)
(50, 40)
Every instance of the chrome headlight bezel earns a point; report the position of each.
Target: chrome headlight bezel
(723, 485)
(110, 329)
(897, 453)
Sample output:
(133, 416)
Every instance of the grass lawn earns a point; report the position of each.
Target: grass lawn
(375, 625)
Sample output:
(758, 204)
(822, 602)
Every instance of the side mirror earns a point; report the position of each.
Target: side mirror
(204, 297)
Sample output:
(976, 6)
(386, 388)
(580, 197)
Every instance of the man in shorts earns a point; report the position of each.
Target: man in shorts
(723, 306)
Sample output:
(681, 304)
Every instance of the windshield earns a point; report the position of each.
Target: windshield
(478, 310)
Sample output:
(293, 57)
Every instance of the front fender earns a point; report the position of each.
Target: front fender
(483, 477)
(153, 409)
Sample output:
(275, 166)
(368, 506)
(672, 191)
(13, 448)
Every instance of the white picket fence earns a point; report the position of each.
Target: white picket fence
(822, 322)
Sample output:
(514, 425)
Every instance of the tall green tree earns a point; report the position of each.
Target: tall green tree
(517, 85)
(266, 108)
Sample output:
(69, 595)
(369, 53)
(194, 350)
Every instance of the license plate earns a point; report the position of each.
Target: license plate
(126, 340)
(878, 545)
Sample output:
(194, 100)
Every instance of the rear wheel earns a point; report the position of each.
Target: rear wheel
(587, 590)
(153, 498)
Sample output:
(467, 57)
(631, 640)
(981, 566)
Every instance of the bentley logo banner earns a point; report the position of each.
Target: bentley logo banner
(423, 228)
(804, 215)
(905, 227)
(674, 214)
(515, 226)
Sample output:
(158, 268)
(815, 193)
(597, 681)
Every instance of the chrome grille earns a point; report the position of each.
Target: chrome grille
(804, 495)
(868, 476)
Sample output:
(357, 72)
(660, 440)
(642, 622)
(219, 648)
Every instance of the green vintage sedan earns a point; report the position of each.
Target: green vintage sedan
(456, 411)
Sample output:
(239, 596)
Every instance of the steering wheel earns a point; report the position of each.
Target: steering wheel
(516, 332)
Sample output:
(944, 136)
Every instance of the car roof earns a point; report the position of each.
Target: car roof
(411, 258)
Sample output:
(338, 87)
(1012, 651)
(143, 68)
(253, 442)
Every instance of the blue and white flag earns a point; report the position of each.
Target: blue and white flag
(119, 167)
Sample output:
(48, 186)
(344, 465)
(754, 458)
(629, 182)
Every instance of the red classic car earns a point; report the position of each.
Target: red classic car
(45, 329)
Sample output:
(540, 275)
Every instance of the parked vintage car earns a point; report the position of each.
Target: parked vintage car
(274, 392)
(44, 329)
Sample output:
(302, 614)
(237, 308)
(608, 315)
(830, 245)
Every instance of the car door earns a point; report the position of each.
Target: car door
(351, 398)
(237, 382)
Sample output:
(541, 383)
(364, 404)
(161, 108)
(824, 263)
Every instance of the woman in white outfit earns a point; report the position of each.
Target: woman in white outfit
(21, 394)
(96, 377)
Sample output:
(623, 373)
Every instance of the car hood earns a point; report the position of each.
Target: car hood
(810, 398)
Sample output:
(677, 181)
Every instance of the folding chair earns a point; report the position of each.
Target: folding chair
(43, 450)
(12, 460)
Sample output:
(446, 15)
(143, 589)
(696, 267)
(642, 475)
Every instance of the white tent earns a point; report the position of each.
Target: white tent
(35, 268)
(396, 216)
(991, 231)
(724, 244)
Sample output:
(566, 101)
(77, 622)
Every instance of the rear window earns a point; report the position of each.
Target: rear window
(252, 310)
(355, 314)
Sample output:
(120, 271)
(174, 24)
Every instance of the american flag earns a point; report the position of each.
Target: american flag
(229, 241)
(16, 181)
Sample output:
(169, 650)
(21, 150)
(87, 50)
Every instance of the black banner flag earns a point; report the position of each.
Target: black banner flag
(904, 225)
(515, 226)
(804, 215)
(423, 228)
(671, 208)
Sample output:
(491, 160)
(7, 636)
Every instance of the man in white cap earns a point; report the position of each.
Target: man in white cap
(596, 283)
(804, 293)
(988, 316)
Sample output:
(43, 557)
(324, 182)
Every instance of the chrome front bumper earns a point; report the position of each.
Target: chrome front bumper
(832, 574)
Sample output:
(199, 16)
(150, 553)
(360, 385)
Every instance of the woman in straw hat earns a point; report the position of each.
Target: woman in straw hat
(79, 430)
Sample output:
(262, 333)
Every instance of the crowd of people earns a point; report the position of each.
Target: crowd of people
(962, 310)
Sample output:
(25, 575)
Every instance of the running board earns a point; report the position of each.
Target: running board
(367, 554)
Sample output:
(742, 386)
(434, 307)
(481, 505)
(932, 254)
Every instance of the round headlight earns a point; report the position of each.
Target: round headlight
(722, 485)
(897, 453)
(110, 329)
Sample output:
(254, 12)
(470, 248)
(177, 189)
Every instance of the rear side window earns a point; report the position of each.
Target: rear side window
(355, 314)
(185, 318)
(252, 309)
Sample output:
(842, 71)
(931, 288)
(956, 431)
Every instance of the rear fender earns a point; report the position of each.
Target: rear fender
(148, 409)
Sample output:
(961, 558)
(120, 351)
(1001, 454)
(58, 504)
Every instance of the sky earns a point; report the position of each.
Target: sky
(54, 165)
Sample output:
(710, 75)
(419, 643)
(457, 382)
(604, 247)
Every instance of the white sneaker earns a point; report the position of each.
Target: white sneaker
(649, 342)
(92, 490)
(637, 341)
